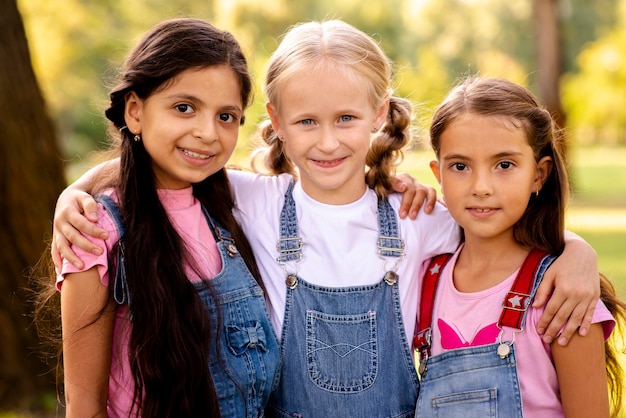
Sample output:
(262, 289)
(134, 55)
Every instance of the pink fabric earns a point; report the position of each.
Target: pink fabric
(185, 212)
(469, 319)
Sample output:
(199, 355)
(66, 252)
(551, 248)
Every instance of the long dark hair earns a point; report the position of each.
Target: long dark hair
(170, 337)
(543, 222)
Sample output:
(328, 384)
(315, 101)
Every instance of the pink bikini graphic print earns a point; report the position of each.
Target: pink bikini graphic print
(450, 338)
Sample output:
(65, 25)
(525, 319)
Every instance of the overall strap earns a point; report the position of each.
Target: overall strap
(423, 331)
(389, 242)
(518, 299)
(221, 234)
(514, 305)
(121, 293)
(289, 245)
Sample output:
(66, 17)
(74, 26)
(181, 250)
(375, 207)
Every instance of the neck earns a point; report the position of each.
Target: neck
(483, 264)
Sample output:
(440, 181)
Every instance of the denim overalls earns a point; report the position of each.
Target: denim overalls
(475, 381)
(245, 370)
(344, 350)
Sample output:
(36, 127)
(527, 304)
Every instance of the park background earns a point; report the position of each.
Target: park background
(571, 53)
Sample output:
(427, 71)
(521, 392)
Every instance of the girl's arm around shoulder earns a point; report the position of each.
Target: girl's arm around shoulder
(575, 280)
(87, 317)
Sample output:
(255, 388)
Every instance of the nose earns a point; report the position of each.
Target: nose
(205, 130)
(328, 141)
(481, 184)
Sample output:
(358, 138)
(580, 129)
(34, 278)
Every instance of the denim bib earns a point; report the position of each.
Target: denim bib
(344, 350)
(477, 381)
(244, 361)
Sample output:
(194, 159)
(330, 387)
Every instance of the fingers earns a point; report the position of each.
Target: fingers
(562, 316)
(68, 224)
(61, 248)
(90, 209)
(411, 203)
(415, 195)
(431, 199)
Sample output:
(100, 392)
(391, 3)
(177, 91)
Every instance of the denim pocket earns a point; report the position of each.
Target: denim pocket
(342, 351)
(479, 403)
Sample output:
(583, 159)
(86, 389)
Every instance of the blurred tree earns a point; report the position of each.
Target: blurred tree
(548, 47)
(595, 96)
(31, 179)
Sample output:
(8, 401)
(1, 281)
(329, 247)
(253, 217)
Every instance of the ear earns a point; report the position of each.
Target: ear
(544, 167)
(434, 167)
(273, 114)
(133, 111)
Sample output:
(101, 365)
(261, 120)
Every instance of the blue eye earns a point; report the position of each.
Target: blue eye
(306, 122)
(346, 118)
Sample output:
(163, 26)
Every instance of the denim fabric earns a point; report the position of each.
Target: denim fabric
(344, 350)
(244, 363)
(470, 382)
(475, 381)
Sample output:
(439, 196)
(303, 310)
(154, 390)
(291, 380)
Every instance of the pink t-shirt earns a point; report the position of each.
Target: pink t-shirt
(469, 319)
(186, 215)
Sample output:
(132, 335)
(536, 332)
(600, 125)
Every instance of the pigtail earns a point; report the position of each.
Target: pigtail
(270, 158)
(385, 151)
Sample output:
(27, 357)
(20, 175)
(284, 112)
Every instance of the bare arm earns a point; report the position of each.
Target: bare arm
(575, 280)
(580, 369)
(87, 318)
(75, 212)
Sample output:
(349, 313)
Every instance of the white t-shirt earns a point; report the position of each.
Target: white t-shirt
(339, 241)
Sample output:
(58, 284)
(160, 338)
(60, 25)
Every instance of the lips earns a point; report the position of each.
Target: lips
(482, 212)
(329, 163)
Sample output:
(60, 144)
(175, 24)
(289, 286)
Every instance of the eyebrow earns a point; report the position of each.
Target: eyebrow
(496, 156)
(192, 98)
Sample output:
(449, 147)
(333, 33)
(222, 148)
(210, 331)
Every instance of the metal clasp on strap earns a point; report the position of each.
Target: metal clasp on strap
(289, 249)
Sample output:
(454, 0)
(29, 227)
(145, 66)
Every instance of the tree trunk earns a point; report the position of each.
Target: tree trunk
(548, 47)
(30, 181)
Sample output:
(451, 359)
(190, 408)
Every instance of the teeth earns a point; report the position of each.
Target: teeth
(195, 154)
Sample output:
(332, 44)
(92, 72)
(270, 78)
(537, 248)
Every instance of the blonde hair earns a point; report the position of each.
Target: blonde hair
(340, 46)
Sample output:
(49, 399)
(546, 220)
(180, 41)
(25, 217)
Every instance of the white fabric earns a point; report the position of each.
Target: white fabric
(339, 241)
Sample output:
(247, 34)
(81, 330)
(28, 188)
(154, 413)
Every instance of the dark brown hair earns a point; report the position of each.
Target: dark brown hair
(543, 223)
(171, 328)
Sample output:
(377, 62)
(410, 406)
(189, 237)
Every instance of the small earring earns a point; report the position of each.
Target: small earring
(537, 193)
(137, 137)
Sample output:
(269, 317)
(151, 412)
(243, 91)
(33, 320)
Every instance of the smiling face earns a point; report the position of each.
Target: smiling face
(325, 118)
(189, 128)
(487, 172)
